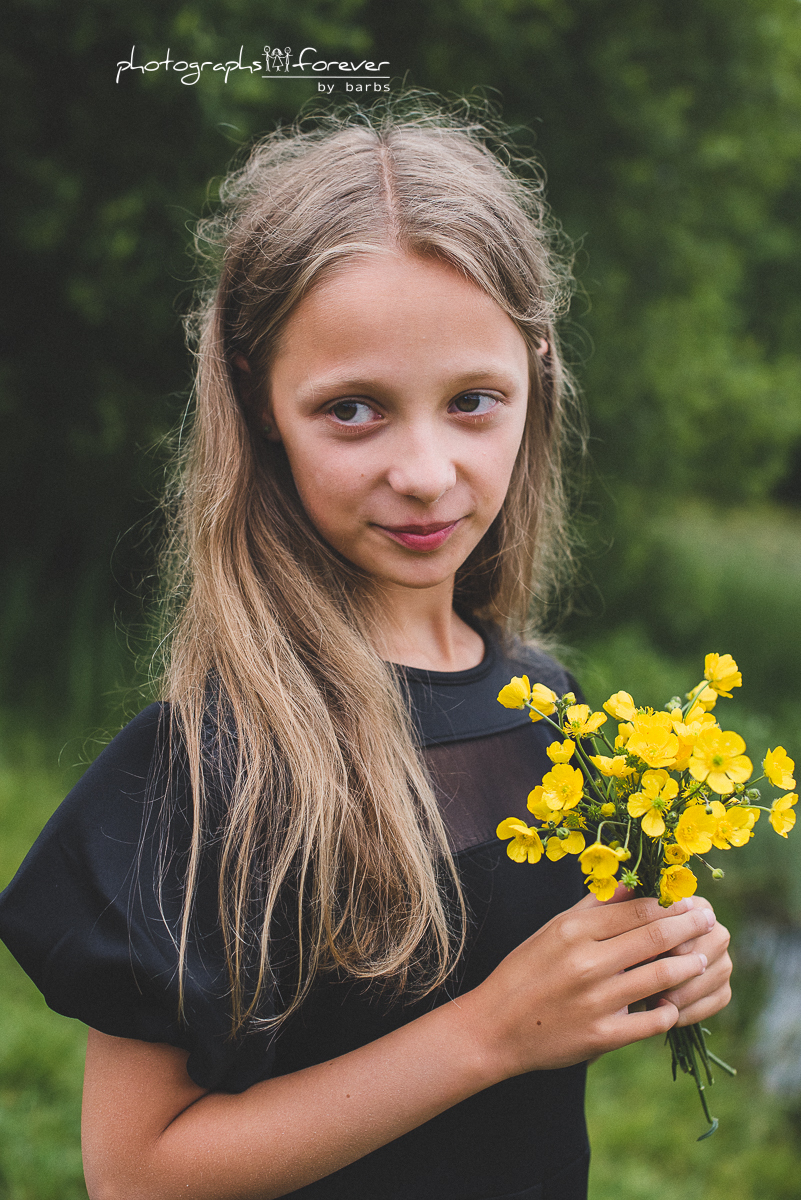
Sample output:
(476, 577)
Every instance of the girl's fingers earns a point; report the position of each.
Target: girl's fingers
(625, 1028)
(662, 977)
(713, 944)
(706, 1007)
(659, 937)
(715, 979)
(611, 919)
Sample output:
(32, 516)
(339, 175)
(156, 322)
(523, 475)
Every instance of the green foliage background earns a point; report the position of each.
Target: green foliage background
(671, 138)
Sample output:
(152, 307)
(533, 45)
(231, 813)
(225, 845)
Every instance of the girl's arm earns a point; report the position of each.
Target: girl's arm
(150, 1133)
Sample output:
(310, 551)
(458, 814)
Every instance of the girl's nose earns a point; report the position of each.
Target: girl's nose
(422, 469)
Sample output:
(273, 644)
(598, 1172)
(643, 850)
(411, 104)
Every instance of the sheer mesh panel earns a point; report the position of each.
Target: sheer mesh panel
(481, 782)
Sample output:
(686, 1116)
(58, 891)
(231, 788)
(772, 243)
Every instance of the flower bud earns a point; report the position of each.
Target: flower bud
(673, 702)
(717, 873)
(569, 697)
(753, 794)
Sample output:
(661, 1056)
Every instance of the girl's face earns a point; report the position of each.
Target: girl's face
(399, 392)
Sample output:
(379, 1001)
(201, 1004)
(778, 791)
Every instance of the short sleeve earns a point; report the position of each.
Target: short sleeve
(93, 913)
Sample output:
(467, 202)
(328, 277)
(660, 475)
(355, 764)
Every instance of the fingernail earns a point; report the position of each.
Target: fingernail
(704, 961)
(710, 916)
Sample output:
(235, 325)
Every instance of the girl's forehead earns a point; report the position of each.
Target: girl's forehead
(395, 302)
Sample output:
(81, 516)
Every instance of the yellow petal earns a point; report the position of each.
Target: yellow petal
(560, 752)
(779, 767)
(511, 827)
(621, 707)
(516, 693)
(603, 888)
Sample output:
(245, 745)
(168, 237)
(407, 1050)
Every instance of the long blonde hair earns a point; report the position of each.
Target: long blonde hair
(276, 692)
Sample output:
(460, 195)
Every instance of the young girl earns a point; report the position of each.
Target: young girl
(277, 899)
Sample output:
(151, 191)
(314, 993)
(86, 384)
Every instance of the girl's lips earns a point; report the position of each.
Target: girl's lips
(421, 537)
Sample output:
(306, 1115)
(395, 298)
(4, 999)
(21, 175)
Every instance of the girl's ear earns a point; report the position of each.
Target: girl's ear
(243, 378)
(247, 391)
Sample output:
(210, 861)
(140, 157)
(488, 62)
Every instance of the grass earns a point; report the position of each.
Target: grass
(41, 1053)
(644, 1129)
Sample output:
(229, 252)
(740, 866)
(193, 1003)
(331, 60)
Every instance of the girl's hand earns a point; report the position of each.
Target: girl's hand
(704, 995)
(562, 996)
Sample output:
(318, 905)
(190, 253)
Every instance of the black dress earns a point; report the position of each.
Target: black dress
(83, 918)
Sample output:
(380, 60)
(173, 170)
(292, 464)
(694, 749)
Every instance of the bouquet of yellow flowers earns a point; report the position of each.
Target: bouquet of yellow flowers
(638, 809)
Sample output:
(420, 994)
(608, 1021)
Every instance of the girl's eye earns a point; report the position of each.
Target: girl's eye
(353, 412)
(478, 403)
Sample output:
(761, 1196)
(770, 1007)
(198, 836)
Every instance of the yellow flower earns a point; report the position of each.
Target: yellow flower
(578, 721)
(653, 739)
(560, 752)
(599, 860)
(722, 672)
(676, 883)
(525, 842)
(688, 731)
(611, 767)
(621, 707)
(562, 787)
(603, 886)
(779, 768)
(538, 805)
(624, 732)
(695, 829)
(516, 694)
(559, 847)
(658, 792)
(734, 826)
(607, 810)
(674, 855)
(543, 702)
(781, 818)
(718, 760)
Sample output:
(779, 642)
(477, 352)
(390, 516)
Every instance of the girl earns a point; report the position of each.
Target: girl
(277, 899)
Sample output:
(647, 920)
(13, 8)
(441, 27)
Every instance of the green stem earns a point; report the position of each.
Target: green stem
(586, 767)
(687, 1046)
(694, 694)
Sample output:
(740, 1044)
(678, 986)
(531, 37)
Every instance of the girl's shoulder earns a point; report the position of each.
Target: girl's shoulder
(94, 913)
(76, 915)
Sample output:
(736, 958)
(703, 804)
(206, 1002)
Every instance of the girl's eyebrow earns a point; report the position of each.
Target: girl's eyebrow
(484, 374)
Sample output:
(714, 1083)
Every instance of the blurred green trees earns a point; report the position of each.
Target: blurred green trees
(671, 136)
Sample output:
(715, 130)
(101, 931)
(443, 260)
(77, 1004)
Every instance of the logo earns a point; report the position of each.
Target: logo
(275, 63)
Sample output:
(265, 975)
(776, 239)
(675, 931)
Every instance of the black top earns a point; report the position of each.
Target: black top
(83, 919)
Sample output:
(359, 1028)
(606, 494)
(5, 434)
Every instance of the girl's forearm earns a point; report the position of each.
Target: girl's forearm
(278, 1135)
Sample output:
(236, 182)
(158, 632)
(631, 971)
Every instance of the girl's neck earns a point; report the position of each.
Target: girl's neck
(419, 628)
